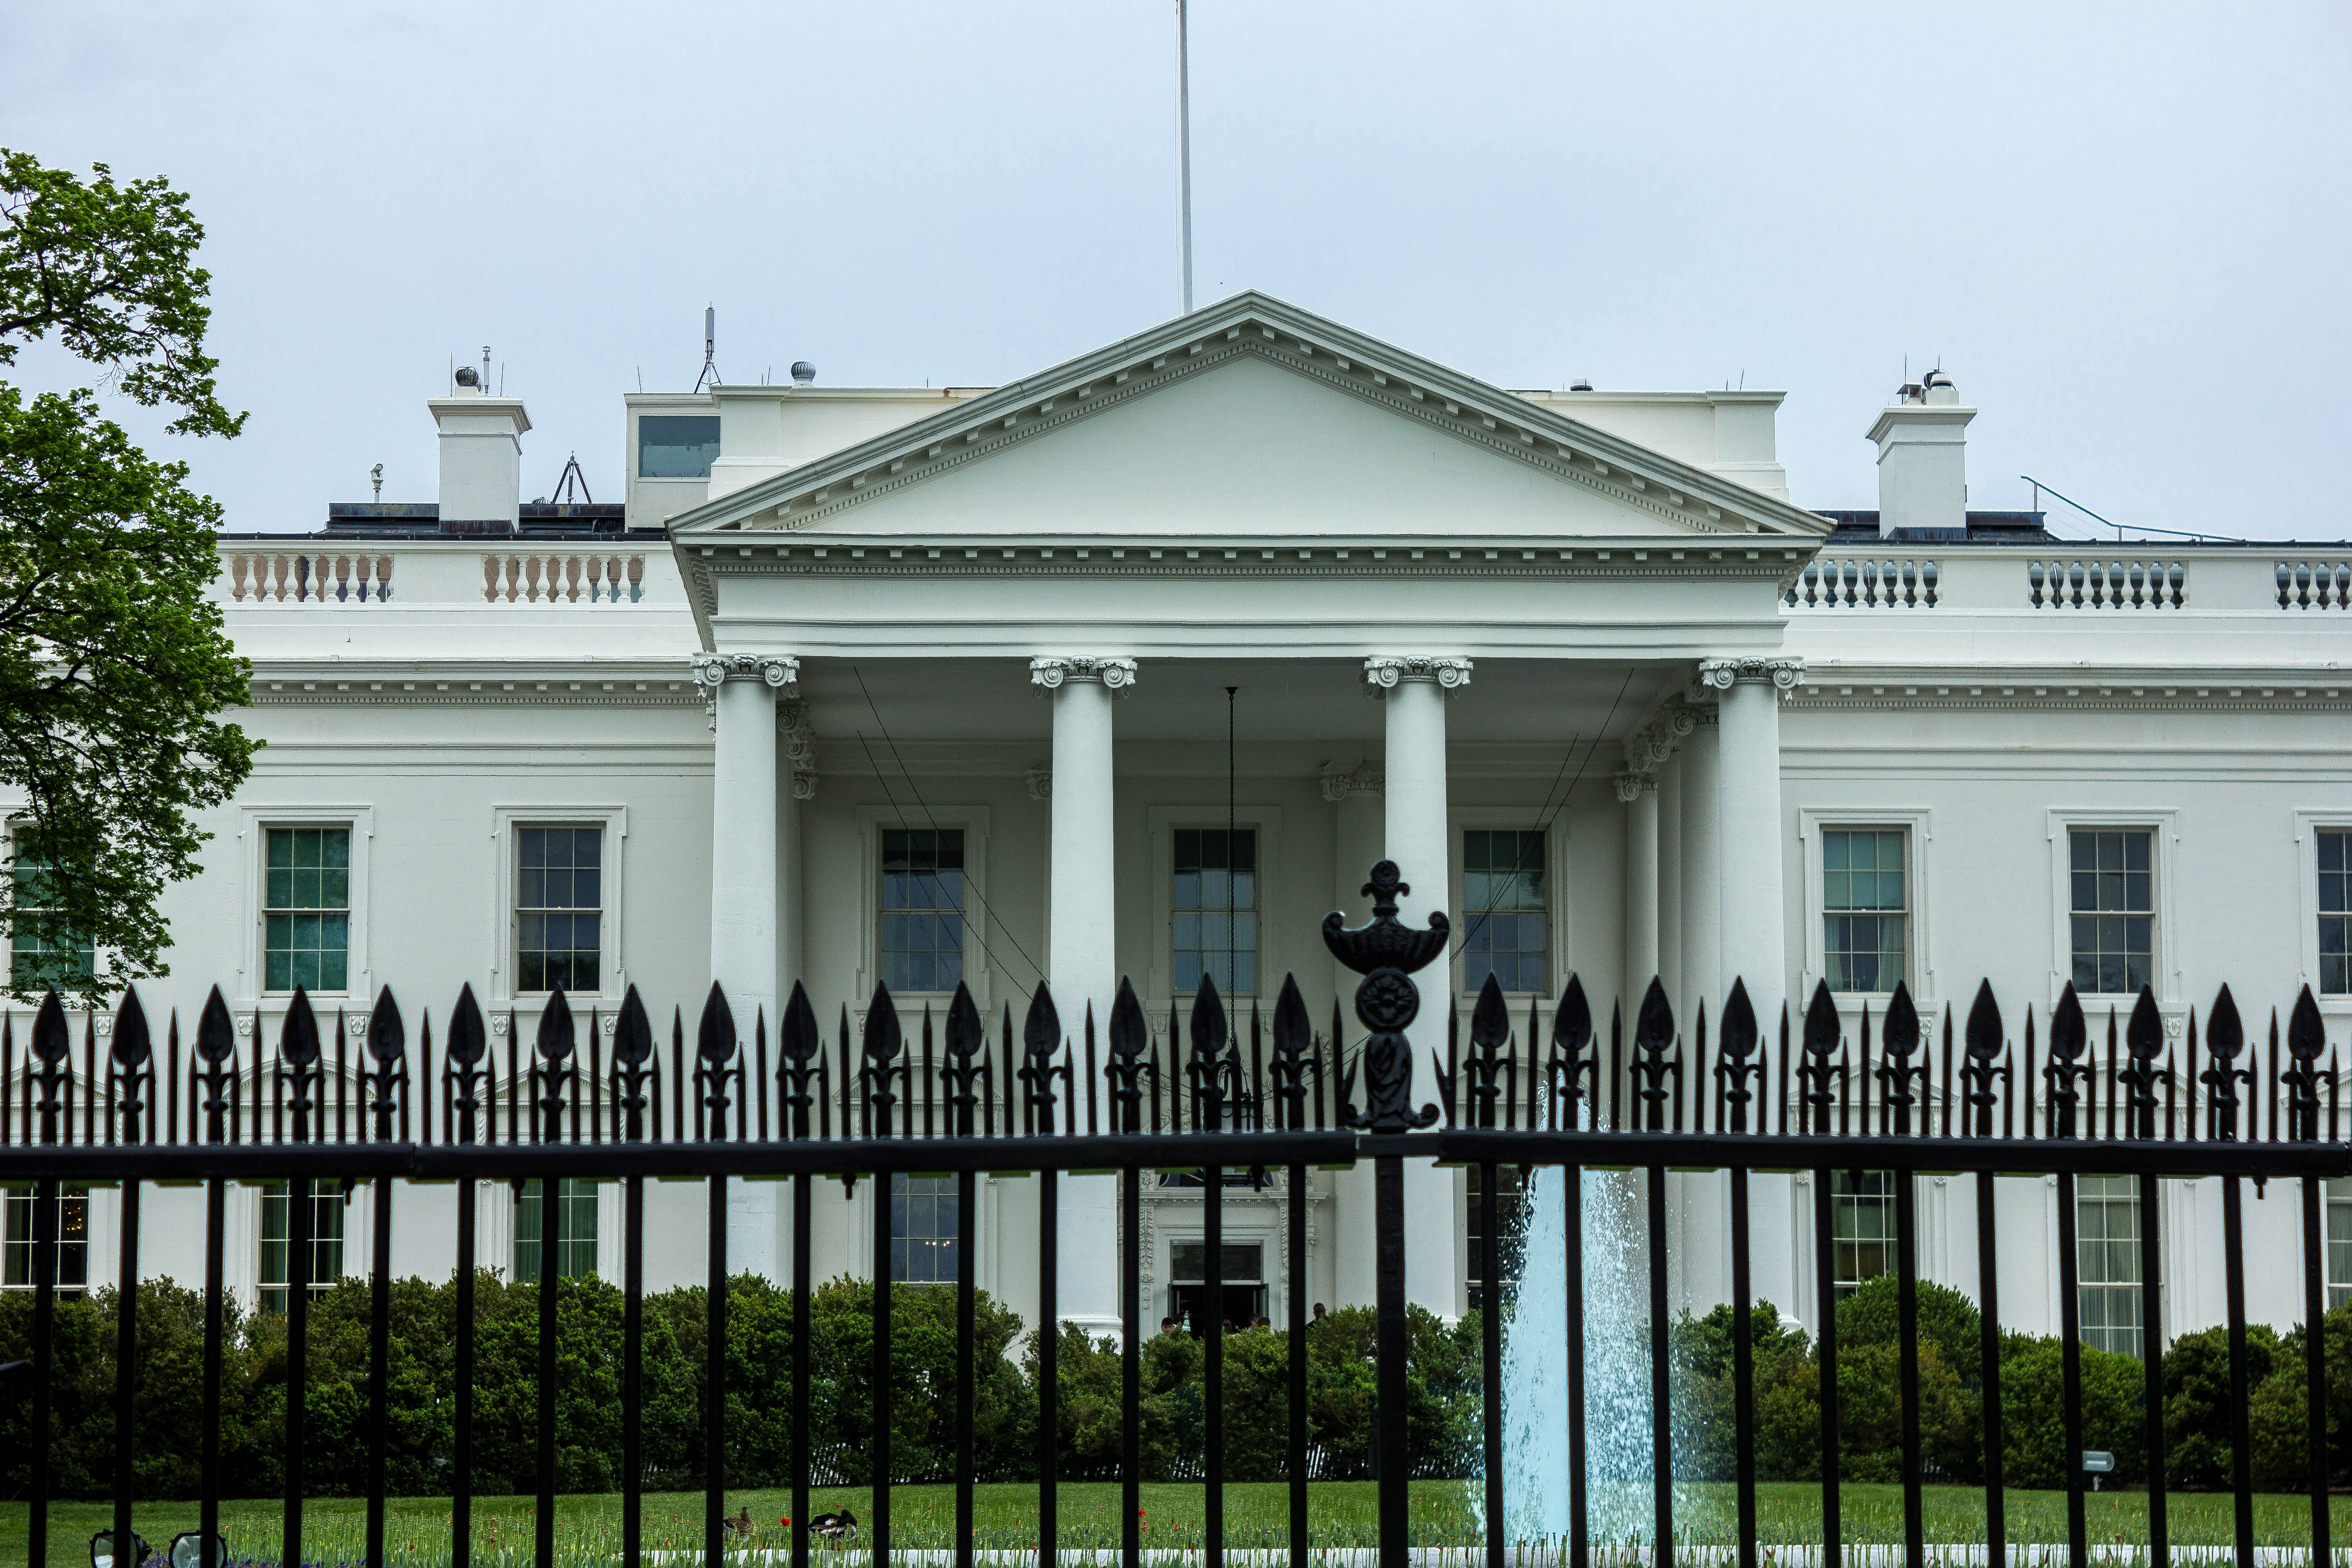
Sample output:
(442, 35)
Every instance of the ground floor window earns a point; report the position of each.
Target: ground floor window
(1241, 1284)
(1862, 1227)
(575, 1230)
(923, 1231)
(1504, 1214)
(2106, 1246)
(16, 1271)
(326, 1241)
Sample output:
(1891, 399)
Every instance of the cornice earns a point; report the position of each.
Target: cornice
(485, 684)
(2251, 691)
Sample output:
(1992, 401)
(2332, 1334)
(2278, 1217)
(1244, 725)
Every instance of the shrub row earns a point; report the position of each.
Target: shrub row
(1442, 1380)
(2196, 1369)
(1442, 1414)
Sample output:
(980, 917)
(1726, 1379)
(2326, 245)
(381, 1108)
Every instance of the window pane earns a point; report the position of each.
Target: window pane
(1503, 922)
(921, 926)
(2113, 930)
(676, 445)
(1863, 1227)
(1211, 873)
(1862, 869)
(923, 1229)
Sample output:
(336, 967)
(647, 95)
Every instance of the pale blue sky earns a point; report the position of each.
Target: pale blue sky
(2122, 228)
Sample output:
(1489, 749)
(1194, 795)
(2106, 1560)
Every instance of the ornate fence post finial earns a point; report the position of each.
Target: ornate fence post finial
(551, 1067)
(632, 1047)
(387, 1044)
(1130, 1037)
(2143, 1040)
(1386, 954)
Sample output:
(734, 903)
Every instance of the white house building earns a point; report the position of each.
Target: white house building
(1134, 666)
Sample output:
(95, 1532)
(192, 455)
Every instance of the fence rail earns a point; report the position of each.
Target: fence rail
(957, 1097)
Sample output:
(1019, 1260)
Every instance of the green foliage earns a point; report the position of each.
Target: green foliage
(113, 663)
(2034, 1411)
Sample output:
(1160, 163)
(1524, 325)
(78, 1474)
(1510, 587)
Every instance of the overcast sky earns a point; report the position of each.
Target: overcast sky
(2121, 229)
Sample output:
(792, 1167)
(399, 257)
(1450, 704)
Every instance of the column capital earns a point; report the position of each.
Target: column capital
(1039, 778)
(1339, 785)
(1648, 748)
(1384, 672)
(1631, 788)
(1050, 672)
(712, 670)
(1785, 674)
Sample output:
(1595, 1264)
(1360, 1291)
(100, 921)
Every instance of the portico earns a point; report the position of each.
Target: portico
(1054, 584)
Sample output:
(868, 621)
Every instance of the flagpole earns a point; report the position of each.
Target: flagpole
(1184, 156)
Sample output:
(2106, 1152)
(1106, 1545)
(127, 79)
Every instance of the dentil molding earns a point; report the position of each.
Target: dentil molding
(1052, 671)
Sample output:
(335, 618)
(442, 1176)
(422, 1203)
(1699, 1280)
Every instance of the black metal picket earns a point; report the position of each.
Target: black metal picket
(1566, 1101)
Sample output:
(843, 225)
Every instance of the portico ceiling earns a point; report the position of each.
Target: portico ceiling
(1314, 704)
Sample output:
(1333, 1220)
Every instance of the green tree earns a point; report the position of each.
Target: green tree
(114, 666)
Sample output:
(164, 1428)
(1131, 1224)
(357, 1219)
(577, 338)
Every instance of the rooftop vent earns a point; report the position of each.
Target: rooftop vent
(1582, 384)
(803, 372)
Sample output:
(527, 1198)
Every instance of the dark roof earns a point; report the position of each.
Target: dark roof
(1984, 528)
(422, 519)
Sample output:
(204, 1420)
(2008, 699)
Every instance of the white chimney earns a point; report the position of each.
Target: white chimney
(1922, 479)
(481, 457)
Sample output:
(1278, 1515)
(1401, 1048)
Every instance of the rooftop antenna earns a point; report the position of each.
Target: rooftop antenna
(375, 477)
(1184, 154)
(710, 347)
(572, 479)
(485, 370)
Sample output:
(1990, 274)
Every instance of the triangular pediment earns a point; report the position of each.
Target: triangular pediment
(1251, 418)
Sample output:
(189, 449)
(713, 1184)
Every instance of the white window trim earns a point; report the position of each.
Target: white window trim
(871, 820)
(2163, 824)
(1461, 819)
(1918, 829)
(1162, 822)
(253, 823)
(14, 820)
(504, 929)
(2307, 823)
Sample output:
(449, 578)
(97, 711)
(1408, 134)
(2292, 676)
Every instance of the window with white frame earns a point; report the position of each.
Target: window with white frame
(2339, 1243)
(922, 908)
(306, 912)
(1862, 1227)
(2112, 876)
(39, 954)
(1503, 921)
(1213, 897)
(1865, 908)
(2335, 846)
(17, 1267)
(1505, 1214)
(574, 1227)
(2106, 1251)
(559, 908)
(923, 1231)
(277, 1246)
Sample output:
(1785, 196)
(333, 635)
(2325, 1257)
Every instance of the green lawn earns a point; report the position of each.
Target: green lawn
(1340, 1514)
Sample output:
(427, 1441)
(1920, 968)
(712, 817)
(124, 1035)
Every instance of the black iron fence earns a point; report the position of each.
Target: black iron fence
(1211, 1098)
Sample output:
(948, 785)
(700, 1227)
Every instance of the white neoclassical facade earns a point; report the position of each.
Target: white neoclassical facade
(1133, 668)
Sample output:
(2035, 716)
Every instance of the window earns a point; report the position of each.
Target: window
(2114, 905)
(922, 908)
(1863, 908)
(306, 916)
(326, 1241)
(2339, 1243)
(1240, 1281)
(559, 909)
(2107, 1247)
(923, 1236)
(1502, 908)
(1862, 1227)
(73, 1240)
(38, 959)
(676, 445)
(1215, 901)
(2336, 912)
(1509, 1217)
(575, 1230)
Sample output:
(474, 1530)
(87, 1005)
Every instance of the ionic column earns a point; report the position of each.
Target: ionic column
(1702, 777)
(1358, 841)
(743, 690)
(1754, 943)
(1415, 688)
(1083, 950)
(1639, 792)
(746, 818)
(1669, 888)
